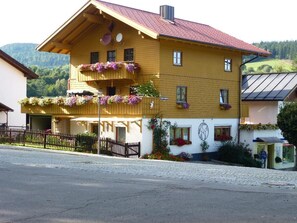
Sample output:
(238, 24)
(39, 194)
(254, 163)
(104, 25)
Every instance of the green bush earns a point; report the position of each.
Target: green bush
(278, 159)
(85, 141)
(233, 152)
(105, 152)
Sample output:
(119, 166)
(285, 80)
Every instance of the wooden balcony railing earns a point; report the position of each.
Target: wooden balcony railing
(148, 106)
(108, 74)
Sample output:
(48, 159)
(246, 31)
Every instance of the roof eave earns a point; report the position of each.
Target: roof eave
(255, 99)
(290, 93)
(22, 68)
(247, 52)
(51, 37)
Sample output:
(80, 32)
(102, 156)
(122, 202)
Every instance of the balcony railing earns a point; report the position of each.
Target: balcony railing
(148, 106)
(108, 71)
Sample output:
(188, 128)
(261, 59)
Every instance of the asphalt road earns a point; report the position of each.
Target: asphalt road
(42, 186)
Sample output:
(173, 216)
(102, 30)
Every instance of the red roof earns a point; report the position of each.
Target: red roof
(182, 29)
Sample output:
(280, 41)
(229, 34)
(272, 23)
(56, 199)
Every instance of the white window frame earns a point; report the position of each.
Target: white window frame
(177, 58)
(228, 64)
(224, 96)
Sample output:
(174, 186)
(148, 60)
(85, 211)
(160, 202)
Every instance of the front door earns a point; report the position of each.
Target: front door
(121, 134)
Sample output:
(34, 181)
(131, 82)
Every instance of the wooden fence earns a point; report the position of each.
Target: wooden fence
(79, 143)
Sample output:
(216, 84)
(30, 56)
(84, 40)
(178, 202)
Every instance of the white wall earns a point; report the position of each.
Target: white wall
(193, 148)
(146, 138)
(247, 137)
(134, 134)
(76, 128)
(263, 112)
(13, 87)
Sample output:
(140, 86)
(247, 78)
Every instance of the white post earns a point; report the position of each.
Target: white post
(99, 96)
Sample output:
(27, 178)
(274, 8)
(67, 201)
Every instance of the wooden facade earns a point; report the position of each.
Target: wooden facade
(202, 71)
(148, 106)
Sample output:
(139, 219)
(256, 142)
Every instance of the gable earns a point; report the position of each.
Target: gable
(147, 23)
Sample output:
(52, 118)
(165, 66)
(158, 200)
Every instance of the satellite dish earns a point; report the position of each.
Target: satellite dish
(119, 37)
(106, 39)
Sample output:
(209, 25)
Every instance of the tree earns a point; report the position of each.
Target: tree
(287, 122)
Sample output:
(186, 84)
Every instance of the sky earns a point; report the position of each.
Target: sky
(32, 21)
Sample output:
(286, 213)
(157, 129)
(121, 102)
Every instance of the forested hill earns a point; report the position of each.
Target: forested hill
(285, 50)
(26, 54)
(52, 68)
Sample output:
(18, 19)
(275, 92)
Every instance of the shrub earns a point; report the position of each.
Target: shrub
(185, 156)
(237, 153)
(86, 141)
(278, 159)
(204, 146)
(147, 89)
(162, 156)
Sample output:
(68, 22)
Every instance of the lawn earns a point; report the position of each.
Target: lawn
(274, 63)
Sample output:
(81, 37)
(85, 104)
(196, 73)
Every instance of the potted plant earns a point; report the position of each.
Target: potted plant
(278, 159)
(225, 106)
(204, 146)
(183, 105)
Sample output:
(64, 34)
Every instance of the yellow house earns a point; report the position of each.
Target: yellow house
(114, 48)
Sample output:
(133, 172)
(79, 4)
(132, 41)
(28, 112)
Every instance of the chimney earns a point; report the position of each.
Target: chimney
(167, 13)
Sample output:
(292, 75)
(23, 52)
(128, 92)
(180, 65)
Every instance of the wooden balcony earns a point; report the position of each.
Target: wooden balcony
(143, 108)
(109, 74)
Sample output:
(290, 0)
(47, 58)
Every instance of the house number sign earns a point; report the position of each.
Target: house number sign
(203, 131)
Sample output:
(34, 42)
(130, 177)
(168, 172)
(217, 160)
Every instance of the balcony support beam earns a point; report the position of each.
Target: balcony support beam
(139, 124)
(110, 124)
(127, 124)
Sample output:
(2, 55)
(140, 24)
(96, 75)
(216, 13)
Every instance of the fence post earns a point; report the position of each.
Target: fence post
(138, 149)
(75, 143)
(44, 141)
(24, 137)
(10, 139)
(126, 150)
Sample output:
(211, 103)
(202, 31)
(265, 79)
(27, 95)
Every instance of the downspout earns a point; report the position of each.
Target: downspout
(239, 98)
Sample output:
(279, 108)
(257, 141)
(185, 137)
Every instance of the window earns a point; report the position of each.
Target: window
(111, 56)
(180, 136)
(129, 54)
(228, 65)
(111, 91)
(224, 96)
(94, 57)
(181, 94)
(222, 133)
(121, 134)
(177, 58)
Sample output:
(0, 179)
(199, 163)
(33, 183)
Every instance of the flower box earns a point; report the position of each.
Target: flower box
(225, 106)
(180, 142)
(183, 105)
(114, 66)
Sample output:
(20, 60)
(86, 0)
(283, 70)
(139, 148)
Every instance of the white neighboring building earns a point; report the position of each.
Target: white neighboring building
(264, 94)
(13, 87)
